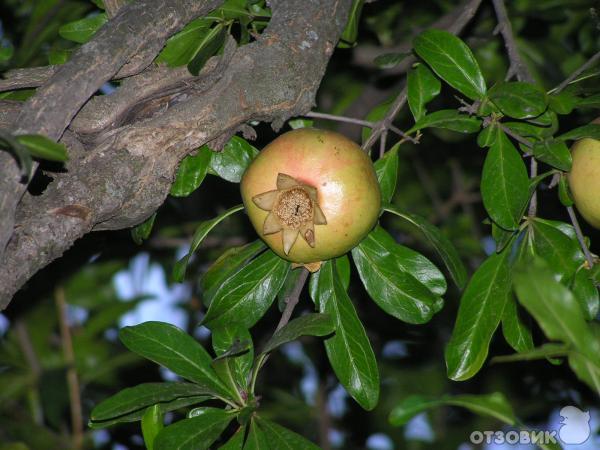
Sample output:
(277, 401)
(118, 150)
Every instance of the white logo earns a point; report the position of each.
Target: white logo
(575, 427)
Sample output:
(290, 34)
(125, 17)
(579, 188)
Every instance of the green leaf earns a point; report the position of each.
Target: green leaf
(152, 423)
(389, 60)
(58, 56)
(516, 333)
(553, 152)
(191, 172)
(591, 131)
(196, 433)
(224, 338)
(82, 30)
(247, 294)
(586, 293)
(488, 135)
(452, 60)
(479, 314)
(504, 183)
(386, 169)
(281, 438)
(545, 351)
(41, 147)
(181, 47)
(494, 405)
(563, 103)
(349, 350)
(528, 130)
(140, 397)
(438, 241)
(586, 369)
(342, 266)
(308, 325)
(554, 308)
(561, 251)
(231, 163)
(201, 232)
(256, 440)
(518, 99)
(449, 119)
(564, 193)
(207, 47)
(236, 442)
(295, 124)
(392, 275)
(171, 347)
(350, 32)
(232, 260)
(423, 86)
(21, 153)
(142, 231)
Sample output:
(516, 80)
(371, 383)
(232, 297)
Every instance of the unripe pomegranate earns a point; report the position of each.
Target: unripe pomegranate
(584, 178)
(311, 195)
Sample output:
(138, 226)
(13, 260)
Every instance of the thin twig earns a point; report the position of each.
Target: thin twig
(36, 371)
(516, 136)
(385, 124)
(589, 63)
(292, 299)
(533, 171)
(517, 66)
(586, 251)
(72, 378)
(382, 144)
(318, 115)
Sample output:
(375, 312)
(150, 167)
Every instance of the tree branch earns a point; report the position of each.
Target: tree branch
(586, 251)
(125, 178)
(585, 66)
(292, 299)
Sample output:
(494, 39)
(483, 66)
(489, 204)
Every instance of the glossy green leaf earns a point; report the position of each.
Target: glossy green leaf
(555, 308)
(449, 119)
(349, 350)
(423, 86)
(231, 163)
(247, 294)
(41, 147)
(139, 397)
(181, 47)
(392, 276)
(350, 32)
(223, 338)
(82, 30)
(256, 440)
(528, 130)
(545, 351)
(518, 99)
(314, 324)
(171, 347)
(152, 423)
(488, 135)
(201, 232)
(196, 433)
(493, 405)
(591, 131)
(586, 293)
(586, 369)
(452, 60)
(563, 103)
(207, 47)
(386, 169)
(479, 314)
(342, 266)
(559, 250)
(21, 153)
(191, 172)
(438, 241)
(553, 152)
(142, 231)
(235, 442)
(564, 193)
(232, 260)
(283, 439)
(516, 333)
(504, 183)
(389, 60)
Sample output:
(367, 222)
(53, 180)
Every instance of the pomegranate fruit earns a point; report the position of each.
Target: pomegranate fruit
(311, 195)
(584, 178)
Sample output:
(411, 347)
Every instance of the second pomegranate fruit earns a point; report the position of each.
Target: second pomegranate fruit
(311, 195)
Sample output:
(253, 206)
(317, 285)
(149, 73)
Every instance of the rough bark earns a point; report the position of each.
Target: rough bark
(127, 174)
